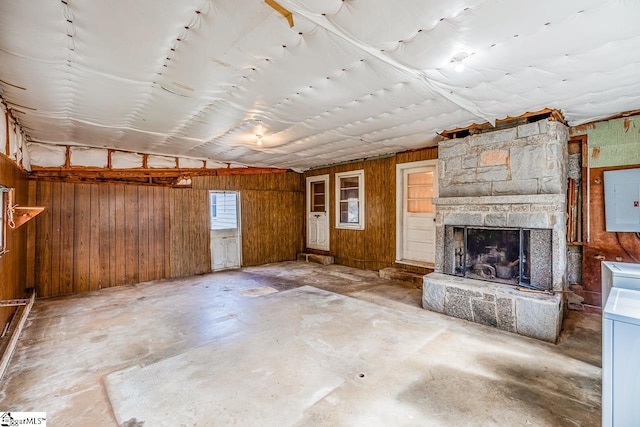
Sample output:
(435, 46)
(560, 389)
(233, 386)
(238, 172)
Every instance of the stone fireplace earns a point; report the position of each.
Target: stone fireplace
(500, 229)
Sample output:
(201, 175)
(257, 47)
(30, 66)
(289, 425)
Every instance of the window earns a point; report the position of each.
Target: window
(420, 192)
(317, 197)
(223, 211)
(350, 200)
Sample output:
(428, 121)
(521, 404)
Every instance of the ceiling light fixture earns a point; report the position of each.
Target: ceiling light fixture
(458, 59)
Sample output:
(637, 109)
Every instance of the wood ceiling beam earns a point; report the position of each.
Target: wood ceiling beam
(281, 10)
(139, 176)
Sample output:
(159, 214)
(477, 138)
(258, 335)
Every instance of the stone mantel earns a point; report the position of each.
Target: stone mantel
(532, 199)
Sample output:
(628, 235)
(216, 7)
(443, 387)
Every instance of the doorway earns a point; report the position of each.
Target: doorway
(416, 186)
(317, 212)
(224, 213)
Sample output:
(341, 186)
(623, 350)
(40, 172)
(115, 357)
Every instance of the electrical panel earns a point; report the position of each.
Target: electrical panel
(622, 200)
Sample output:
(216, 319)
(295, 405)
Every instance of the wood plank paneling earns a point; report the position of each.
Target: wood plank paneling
(82, 237)
(67, 221)
(106, 223)
(44, 233)
(92, 236)
(143, 234)
(13, 264)
(374, 247)
(94, 240)
(190, 252)
(119, 211)
(55, 249)
(31, 240)
(131, 219)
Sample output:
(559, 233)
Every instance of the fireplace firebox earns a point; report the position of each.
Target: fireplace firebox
(514, 256)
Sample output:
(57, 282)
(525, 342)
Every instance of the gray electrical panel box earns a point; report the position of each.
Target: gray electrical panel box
(622, 200)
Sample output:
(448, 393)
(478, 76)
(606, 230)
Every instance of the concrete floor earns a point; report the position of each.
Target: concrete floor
(292, 344)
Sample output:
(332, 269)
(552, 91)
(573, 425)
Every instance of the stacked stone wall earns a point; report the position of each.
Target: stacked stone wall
(528, 159)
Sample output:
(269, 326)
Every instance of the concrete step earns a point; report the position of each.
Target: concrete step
(393, 273)
(318, 259)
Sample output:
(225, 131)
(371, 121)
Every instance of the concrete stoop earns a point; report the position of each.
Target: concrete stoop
(393, 273)
(318, 259)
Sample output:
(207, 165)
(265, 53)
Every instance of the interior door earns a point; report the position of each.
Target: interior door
(418, 215)
(225, 230)
(317, 217)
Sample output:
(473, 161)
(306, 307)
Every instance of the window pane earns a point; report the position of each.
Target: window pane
(317, 196)
(420, 206)
(350, 211)
(318, 187)
(420, 192)
(349, 182)
(225, 207)
(349, 194)
(214, 205)
(420, 178)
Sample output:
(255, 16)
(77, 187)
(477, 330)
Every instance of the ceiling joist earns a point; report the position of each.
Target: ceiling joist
(281, 10)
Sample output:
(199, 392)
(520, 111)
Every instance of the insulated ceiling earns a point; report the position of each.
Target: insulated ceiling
(350, 79)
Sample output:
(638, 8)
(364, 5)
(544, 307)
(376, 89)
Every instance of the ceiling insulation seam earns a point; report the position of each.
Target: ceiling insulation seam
(164, 63)
(295, 6)
(340, 132)
(68, 15)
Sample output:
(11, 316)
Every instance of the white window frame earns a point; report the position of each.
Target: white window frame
(351, 225)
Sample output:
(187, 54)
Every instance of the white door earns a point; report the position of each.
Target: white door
(317, 217)
(416, 213)
(225, 229)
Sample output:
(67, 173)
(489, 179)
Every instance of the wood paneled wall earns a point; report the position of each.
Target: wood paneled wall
(13, 265)
(272, 213)
(94, 236)
(374, 247)
(190, 250)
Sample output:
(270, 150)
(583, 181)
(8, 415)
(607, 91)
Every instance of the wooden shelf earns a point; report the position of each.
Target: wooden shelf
(22, 214)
